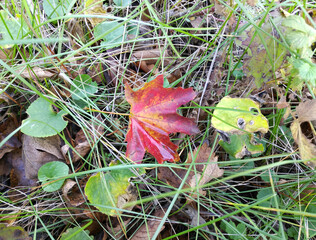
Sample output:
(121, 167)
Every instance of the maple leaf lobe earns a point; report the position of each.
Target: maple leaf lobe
(153, 117)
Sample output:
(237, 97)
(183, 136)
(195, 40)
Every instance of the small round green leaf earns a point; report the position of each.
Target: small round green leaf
(76, 233)
(50, 172)
(43, 121)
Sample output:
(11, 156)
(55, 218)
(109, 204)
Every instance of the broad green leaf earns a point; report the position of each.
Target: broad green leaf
(115, 34)
(56, 8)
(10, 28)
(42, 120)
(263, 193)
(83, 87)
(306, 70)
(298, 34)
(237, 119)
(110, 191)
(239, 115)
(76, 233)
(235, 232)
(240, 145)
(122, 3)
(50, 172)
(13, 233)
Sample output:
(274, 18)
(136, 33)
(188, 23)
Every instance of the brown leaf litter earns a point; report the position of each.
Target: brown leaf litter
(199, 175)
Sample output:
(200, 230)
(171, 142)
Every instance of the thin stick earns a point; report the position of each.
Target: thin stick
(99, 111)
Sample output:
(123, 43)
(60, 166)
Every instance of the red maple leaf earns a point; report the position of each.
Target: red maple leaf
(153, 117)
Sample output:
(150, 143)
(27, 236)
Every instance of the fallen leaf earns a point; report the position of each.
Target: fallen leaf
(202, 174)
(148, 59)
(306, 111)
(74, 193)
(153, 116)
(252, 2)
(38, 151)
(110, 191)
(282, 103)
(17, 174)
(306, 148)
(13, 233)
(147, 231)
(12, 143)
(36, 72)
(94, 7)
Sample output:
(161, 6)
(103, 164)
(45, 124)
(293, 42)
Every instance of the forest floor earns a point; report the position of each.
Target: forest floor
(151, 119)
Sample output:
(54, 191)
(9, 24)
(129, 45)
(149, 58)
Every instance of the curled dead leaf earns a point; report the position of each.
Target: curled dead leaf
(38, 151)
(306, 111)
(36, 72)
(306, 148)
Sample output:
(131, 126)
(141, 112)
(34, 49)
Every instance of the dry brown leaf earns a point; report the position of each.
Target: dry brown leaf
(145, 58)
(306, 148)
(38, 151)
(306, 111)
(11, 144)
(282, 103)
(72, 193)
(147, 231)
(203, 174)
(37, 73)
(252, 2)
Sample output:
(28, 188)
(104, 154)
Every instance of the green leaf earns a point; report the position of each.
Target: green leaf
(298, 34)
(116, 33)
(10, 28)
(76, 233)
(239, 115)
(235, 232)
(42, 120)
(107, 191)
(56, 8)
(122, 3)
(83, 87)
(240, 145)
(50, 172)
(263, 193)
(13, 233)
(306, 70)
